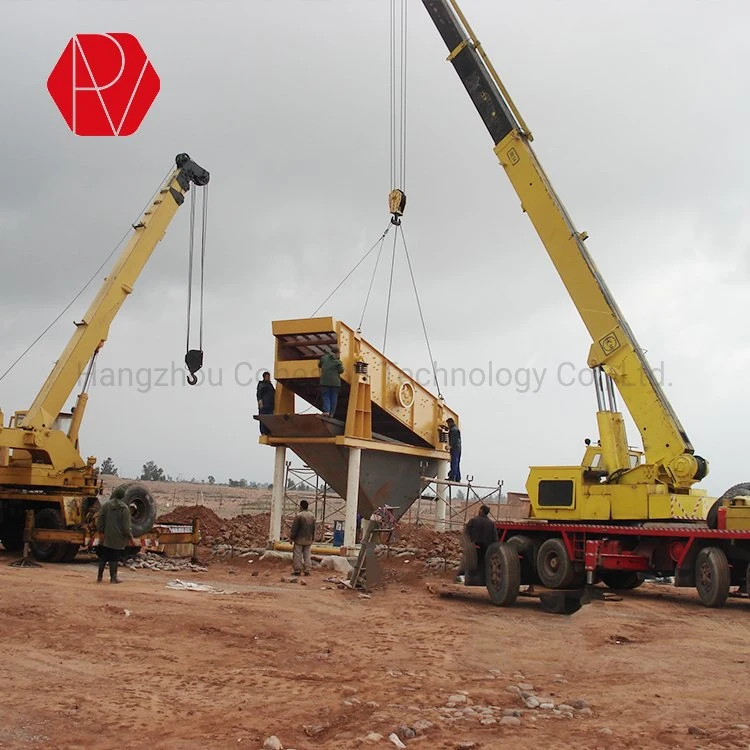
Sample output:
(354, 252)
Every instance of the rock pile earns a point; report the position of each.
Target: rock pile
(151, 561)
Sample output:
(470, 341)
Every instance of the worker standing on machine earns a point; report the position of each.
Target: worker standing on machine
(331, 368)
(454, 442)
(266, 395)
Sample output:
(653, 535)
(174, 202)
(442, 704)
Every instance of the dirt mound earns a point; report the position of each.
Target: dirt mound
(249, 530)
(428, 542)
(210, 523)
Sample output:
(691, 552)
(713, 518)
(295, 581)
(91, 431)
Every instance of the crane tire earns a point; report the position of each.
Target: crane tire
(712, 576)
(712, 517)
(142, 508)
(48, 518)
(502, 573)
(528, 549)
(554, 566)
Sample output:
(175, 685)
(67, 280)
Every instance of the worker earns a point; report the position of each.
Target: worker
(266, 395)
(115, 524)
(302, 535)
(331, 368)
(454, 442)
(481, 532)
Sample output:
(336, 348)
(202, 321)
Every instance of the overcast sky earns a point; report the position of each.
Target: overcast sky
(639, 112)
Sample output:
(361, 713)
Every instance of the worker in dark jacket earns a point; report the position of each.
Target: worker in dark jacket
(266, 395)
(481, 532)
(331, 368)
(302, 535)
(454, 442)
(115, 524)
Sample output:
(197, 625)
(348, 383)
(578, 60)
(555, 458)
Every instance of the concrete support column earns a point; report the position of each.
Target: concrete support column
(441, 490)
(277, 494)
(352, 497)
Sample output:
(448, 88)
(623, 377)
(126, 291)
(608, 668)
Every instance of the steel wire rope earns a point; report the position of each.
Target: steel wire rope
(390, 290)
(421, 315)
(359, 263)
(88, 283)
(191, 249)
(204, 219)
(372, 280)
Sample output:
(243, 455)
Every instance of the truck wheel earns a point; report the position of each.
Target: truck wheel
(621, 580)
(712, 517)
(11, 535)
(712, 576)
(527, 549)
(502, 573)
(555, 568)
(142, 508)
(70, 553)
(48, 518)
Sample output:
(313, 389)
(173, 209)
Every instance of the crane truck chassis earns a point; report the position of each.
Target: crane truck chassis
(622, 512)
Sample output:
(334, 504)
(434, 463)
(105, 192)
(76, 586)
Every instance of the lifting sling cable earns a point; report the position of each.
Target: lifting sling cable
(421, 315)
(372, 280)
(390, 288)
(194, 357)
(357, 265)
(88, 283)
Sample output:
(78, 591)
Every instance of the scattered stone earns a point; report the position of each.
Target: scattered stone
(586, 712)
(254, 573)
(565, 707)
(511, 712)
(513, 689)
(527, 686)
(532, 702)
(605, 730)
(273, 743)
(152, 561)
(405, 733)
(267, 573)
(466, 745)
(374, 737)
(511, 721)
(365, 596)
(372, 704)
(393, 737)
(697, 731)
(289, 579)
(578, 704)
(313, 729)
(457, 698)
(741, 727)
(547, 706)
(421, 726)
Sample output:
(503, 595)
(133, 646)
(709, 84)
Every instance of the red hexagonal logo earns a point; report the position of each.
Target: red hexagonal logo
(103, 84)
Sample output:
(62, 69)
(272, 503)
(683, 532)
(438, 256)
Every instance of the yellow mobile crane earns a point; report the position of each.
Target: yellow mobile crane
(41, 468)
(614, 515)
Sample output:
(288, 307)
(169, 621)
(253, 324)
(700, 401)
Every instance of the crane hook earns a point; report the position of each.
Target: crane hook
(194, 362)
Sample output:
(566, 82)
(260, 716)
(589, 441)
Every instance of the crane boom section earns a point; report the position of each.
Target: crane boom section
(92, 331)
(614, 347)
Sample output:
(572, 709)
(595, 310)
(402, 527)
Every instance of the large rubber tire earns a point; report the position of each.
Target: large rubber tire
(70, 553)
(11, 535)
(712, 517)
(527, 549)
(554, 566)
(142, 508)
(502, 573)
(712, 576)
(48, 518)
(621, 580)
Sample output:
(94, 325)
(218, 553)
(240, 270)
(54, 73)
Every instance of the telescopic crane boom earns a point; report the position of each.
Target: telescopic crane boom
(613, 480)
